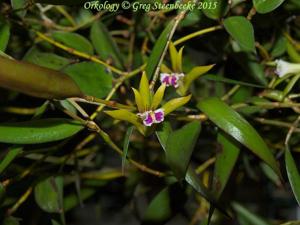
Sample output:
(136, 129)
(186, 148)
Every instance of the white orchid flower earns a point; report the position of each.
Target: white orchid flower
(283, 68)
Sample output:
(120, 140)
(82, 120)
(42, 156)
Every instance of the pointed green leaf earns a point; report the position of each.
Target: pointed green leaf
(236, 126)
(145, 90)
(159, 209)
(75, 41)
(49, 194)
(216, 8)
(126, 145)
(225, 162)
(179, 147)
(4, 35)
(248, 216)
(173, 56)
(266, 6)
(91, 78)
(158, 96)
(174, 104)
(293, 174)
(195, 73)
(165, 69)
(19, 5)
(191, 177)
(54, 222)
(242, 31)
(9, 157)
(163, 134)
(105, 45)
(179, 60)
(38, 131)
(125, 115)
(138, 100)
(158, 50)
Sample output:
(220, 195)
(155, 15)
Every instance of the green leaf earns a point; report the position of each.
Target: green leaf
(173, 56)
(248, 216)
(138, 100)
(158, 96)
(19, 5)
(163, 134)
(38, 131)
(75, 41)
(266, 6)
(191, 76)
(126, 145)
(190, 177)
(11, 221)
(179, 147)
(4, 35)
(91, 78)
(175, 103)
(236, 126)
(216, 8)
(48, 60)
(105, 45)
(293, 53)
(9, 157)
(242, 31)
(158, 50)
(145, 91)
(54, 222)
(159, 209)
(125, 115)
(36, 81)
(225, 162)
(49, 194)
(293, 174)
(71, 201)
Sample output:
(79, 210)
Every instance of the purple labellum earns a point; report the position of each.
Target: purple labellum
(159, 115)
(151, 117)
(171, 79)
(148, 121)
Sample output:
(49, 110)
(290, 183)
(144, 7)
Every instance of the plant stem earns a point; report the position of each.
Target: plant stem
(196, 34)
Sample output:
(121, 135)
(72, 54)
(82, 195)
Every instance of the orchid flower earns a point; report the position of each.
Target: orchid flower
(175, 77)
(149, 108)
(283, 68)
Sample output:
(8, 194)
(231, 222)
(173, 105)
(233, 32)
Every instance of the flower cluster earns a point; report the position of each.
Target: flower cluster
(175, 76)
(148, 107)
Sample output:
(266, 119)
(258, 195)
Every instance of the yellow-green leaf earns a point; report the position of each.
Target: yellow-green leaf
(173, 104)
(179, 60)
(138, 100)
(195, 73)
(173, 56)
(145, 90)
(158, 96)
(125, 115)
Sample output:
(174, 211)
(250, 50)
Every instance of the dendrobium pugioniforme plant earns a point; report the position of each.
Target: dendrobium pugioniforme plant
(149, 109)
(175, 77)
